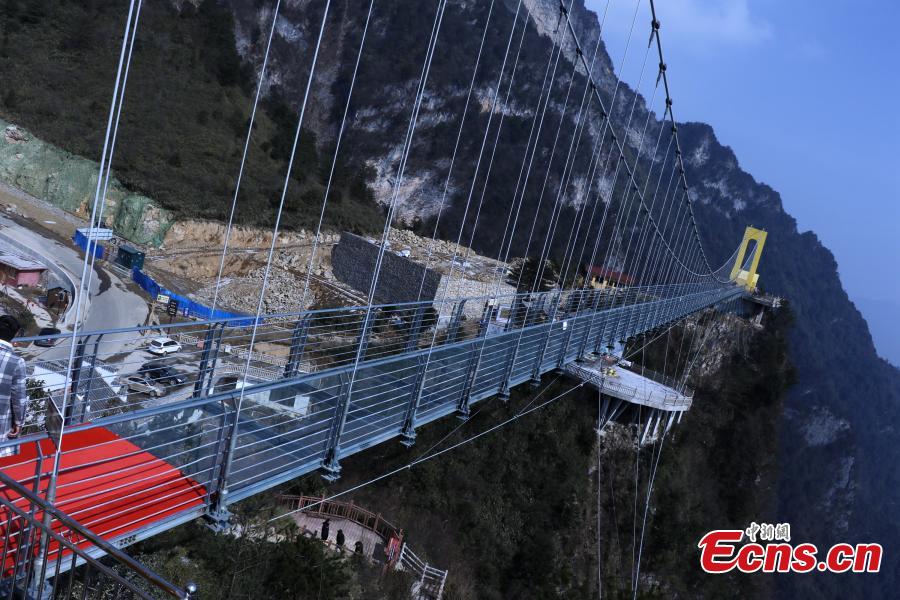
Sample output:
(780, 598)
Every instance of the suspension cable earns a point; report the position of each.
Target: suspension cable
(334, 160)
(240, 176)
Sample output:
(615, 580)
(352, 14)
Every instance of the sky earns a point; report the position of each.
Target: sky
(805, 93)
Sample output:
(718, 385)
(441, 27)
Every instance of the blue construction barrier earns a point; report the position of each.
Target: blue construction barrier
(84, 243)
(186, 306)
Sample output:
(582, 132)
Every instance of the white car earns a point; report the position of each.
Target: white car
(163, 346)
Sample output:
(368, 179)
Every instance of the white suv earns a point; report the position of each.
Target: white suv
(163, 346)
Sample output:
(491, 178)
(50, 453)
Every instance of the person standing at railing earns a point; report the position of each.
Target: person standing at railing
(325, 525)
(12, 384)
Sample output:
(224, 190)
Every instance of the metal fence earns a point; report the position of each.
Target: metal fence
(352, 378)
(429, 581)
(47, 554)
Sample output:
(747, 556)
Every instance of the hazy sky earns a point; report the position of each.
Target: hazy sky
(805, 92)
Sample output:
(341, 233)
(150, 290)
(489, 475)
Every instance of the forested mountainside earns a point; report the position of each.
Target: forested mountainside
(186, 111)
(183, 125)
(840, 465)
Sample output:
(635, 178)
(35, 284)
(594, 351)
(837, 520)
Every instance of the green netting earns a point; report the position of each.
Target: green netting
(69, 182)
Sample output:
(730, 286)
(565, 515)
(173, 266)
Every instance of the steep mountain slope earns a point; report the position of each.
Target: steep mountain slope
(180, 145)
(840, 465)
(183, 124)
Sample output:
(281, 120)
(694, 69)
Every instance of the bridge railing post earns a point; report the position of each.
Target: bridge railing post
(554, 308)
(299, 337)
(518, 319)
(208, 358)
(455, 321)
(576, 297)
(415, 329)
(217, 490)
(365, 333)
(331, 467)
(79, 412)
(408, 432)
(75, 380)
(588, 332)
(487, 315)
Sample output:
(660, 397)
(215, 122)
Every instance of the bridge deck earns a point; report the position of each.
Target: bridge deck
(142, 469)
(105, 482)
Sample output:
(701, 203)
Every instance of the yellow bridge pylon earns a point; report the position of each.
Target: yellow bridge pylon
(749, 277)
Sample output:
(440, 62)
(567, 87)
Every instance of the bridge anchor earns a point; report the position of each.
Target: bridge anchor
(218, 517)
(408, 437)
(330, 470)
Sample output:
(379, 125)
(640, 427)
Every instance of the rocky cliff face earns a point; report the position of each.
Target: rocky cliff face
(840, 461)
(840, 415)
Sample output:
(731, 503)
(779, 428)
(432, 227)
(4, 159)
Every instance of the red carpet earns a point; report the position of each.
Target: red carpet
(113, 489)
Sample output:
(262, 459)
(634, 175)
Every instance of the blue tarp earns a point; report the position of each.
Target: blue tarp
(194, 309)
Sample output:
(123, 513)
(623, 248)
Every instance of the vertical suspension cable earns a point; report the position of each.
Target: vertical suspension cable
(568, 168)
(462, 122)
(240, 177)
(275, 231)
(334, 160)
(426, 69)
(81, 301)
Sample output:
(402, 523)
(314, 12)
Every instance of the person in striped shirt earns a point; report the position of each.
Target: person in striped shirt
(12, 383)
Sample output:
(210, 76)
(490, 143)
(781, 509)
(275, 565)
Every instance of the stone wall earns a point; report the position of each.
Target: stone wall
(353, 263)
(69, 182)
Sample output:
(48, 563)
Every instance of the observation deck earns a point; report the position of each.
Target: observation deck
(637, 386)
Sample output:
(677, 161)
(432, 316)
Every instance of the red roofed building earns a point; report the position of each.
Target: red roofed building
(17, 270)
(603, 277)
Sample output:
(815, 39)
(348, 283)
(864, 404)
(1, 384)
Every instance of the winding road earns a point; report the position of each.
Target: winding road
(111, 304)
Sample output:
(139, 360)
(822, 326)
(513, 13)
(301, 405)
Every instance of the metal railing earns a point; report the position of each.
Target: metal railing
(46, 553)
(226, 440)
(430, 581)
(321, 506)
(314, 341)
(666, 380)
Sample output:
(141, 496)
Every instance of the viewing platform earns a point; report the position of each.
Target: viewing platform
(612, 377)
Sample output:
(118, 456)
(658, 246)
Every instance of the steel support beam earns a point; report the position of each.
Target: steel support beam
(536, 369)
(217, 514)
(487, 316)
(455, 321)
(208, 358)
(415, 329)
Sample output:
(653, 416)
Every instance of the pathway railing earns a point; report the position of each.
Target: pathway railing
(224, 443)
(46, 553)
(430, 581)
(321, 506)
